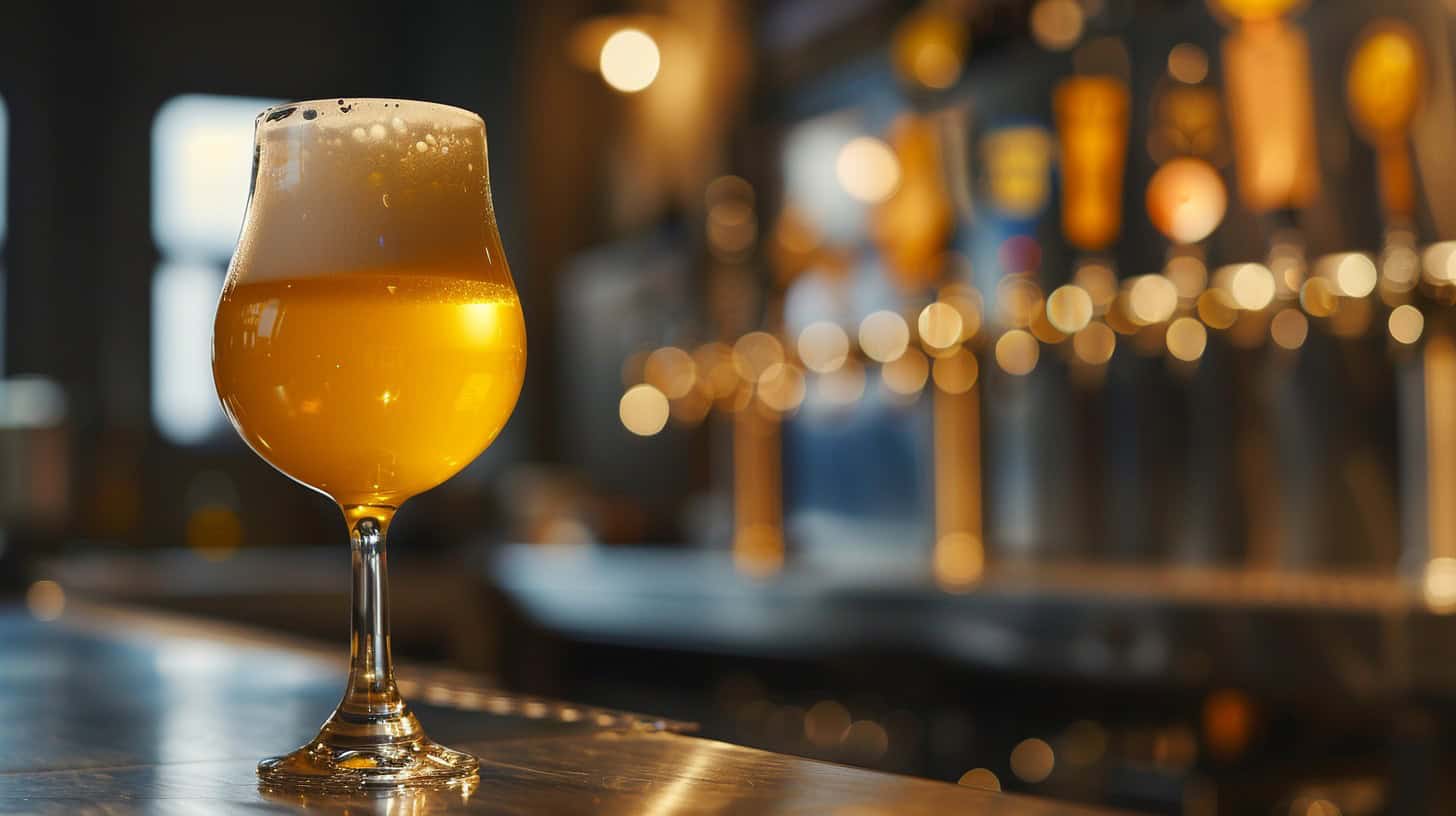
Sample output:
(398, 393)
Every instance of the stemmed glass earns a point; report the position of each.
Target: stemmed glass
(369, 344)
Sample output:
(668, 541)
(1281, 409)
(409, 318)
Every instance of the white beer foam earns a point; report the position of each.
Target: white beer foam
(369, 185)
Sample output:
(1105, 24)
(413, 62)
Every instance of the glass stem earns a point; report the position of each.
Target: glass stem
(371, 693)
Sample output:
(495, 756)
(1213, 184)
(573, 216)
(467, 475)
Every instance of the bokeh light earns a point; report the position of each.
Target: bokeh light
(1152, 299)
(1289, 328)
(906, 374)
(884, 336)
(45, 600)
(1032, 760)
(1057, 25)
(1216, 309)
(1017, 352)
(823, 346)
(867, 169)
(754, 353)
(782, 387)
(1406, 324)
(1186, 339)
(981, 778)
(1187, 63)
(1251, 285)
(1439, 261)
(1095, 344)
(940, 326)
(644, 410)
(843, 385)
(1069, 308)
(671, 371)
(630, 60)
(956, 373)
(1318, 297)
(1186, 200)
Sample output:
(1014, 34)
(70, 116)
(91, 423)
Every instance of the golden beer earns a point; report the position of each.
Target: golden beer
(371, 386)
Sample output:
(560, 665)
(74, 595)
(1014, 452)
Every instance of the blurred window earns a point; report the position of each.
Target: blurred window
(202, 154)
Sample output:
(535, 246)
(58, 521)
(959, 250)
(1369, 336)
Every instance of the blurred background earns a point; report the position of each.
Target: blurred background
(1057, 396)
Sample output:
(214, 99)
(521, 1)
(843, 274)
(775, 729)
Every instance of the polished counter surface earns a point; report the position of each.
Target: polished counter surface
(117, 712)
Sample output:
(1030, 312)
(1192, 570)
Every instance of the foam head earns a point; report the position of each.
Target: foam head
(341, 185)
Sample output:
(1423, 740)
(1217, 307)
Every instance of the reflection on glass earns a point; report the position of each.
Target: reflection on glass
(369, 344)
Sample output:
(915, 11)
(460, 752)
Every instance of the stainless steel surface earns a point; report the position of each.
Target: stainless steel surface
(119, 713)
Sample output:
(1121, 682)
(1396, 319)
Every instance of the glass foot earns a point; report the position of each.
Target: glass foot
(418, 762)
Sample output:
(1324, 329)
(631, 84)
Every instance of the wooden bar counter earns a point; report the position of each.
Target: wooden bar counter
(114, 711)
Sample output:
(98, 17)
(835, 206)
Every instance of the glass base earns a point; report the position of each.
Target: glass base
(390, 753)
(421, 763)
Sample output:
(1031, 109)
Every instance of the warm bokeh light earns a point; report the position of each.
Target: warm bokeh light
(1152, 299)
(1099, 281)
(1095, 344)
(45, 600)
(1187, 63)
(1032, 760)
(630, 60)
(671, 371)
(782, 387)
(823, 346)
(1251, 285)
(956, 373)
(1069, 308)
(980, 778)
(716, 370)
(644, 410)
(1438, 585)
(1406, 324)
(1289, 328)
(732, 229)
(1186, 339)
(967, 302)
(1318, 297)
(884, 336)
(1019, 299)
(1216, 309)
(940, 326)
(906, 374)
(1017, 352)
(865, 740)
(1352, 273)
(1439, 261)
(754, 353)
(1188, 274)
(930, 48)
(867, 169)
(1186, 200)
(825, 723)
(1057, 25)
(1228, 723)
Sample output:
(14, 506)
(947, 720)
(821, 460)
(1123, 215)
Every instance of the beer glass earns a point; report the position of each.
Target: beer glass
(369, 344)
